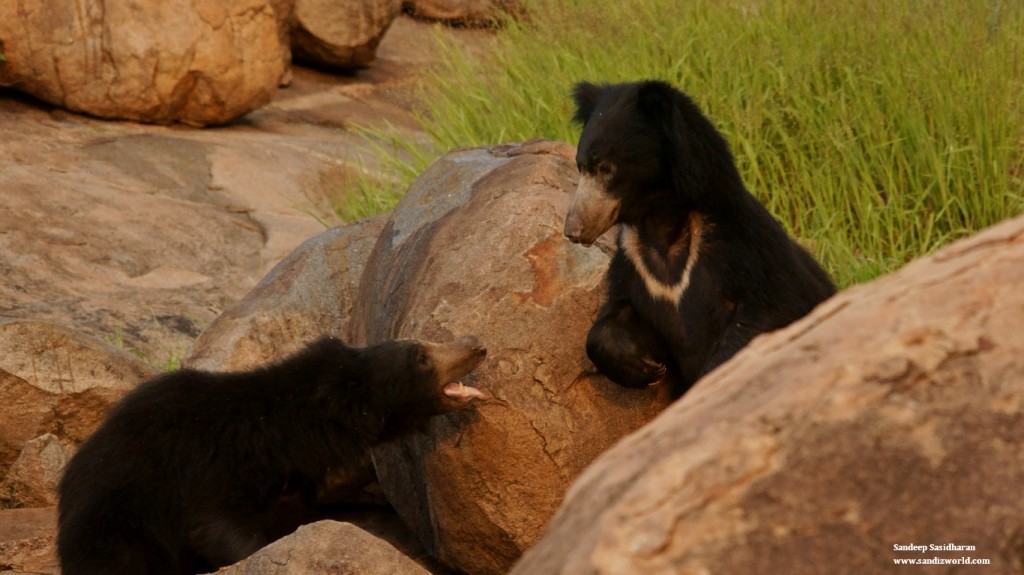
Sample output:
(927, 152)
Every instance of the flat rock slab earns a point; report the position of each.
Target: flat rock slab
(141, 235)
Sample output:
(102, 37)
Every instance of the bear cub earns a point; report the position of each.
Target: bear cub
(701, 267)
(195, 470)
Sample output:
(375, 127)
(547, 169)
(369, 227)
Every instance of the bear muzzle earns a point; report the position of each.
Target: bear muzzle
(455, 360)
(593, 211)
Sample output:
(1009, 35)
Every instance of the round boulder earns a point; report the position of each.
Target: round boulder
(475, 247)
(193, 61)
(340, 33)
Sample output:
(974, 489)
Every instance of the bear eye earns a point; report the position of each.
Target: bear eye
(605, 168)
(422, 359)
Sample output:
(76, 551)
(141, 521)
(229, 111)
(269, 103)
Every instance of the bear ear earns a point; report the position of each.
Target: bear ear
(656, 99)
(586, 95)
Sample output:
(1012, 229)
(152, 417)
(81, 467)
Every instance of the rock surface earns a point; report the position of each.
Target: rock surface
(341, 33)
(327, 547)
(283, 11)
(475, 247)
(464, 12)
(142, 235)
(308, 294)
(54, 380)
(193, 61)
(893, 414)
(27, 541)
(32, 479)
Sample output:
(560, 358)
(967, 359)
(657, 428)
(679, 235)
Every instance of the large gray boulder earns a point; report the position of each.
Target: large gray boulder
(475, 247)
(892, 415)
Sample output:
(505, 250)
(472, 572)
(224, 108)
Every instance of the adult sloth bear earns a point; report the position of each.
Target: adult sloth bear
(194, 470)
(701, 266)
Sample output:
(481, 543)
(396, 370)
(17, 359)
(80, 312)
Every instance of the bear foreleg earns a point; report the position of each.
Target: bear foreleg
(625, 348)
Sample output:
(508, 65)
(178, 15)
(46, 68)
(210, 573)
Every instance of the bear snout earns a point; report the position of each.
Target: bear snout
(573, 228)
(593, 211)
(473, 343)
(456, 359)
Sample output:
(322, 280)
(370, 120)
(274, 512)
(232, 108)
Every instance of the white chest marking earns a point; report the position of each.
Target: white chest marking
(629, 242)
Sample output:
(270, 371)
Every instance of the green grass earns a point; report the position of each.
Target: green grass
(875, 131)
(172, 362)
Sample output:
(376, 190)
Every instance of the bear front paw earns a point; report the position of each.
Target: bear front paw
(630, 370)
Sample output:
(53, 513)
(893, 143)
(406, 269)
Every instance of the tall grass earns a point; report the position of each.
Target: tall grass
(875, 131)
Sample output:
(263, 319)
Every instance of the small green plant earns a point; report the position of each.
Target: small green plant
(117, 340)
(172, 362)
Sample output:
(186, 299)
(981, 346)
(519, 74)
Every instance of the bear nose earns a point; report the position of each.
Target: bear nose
(472, 342)
(573, 227)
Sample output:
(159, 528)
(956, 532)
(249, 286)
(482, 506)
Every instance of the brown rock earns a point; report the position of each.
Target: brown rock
(32, 479)
(464, 12)
(308, 294)
(327, 547)
(893, 414)
(475, 247)
(341, 33)
(143, 234)
(53, 380)
(283, 10)
(27, 541)
(194, 61)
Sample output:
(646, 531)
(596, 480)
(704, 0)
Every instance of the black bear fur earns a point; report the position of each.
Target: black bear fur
(701, 267)
(195, 470)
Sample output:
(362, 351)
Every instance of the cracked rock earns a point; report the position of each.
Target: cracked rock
(475, 247)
